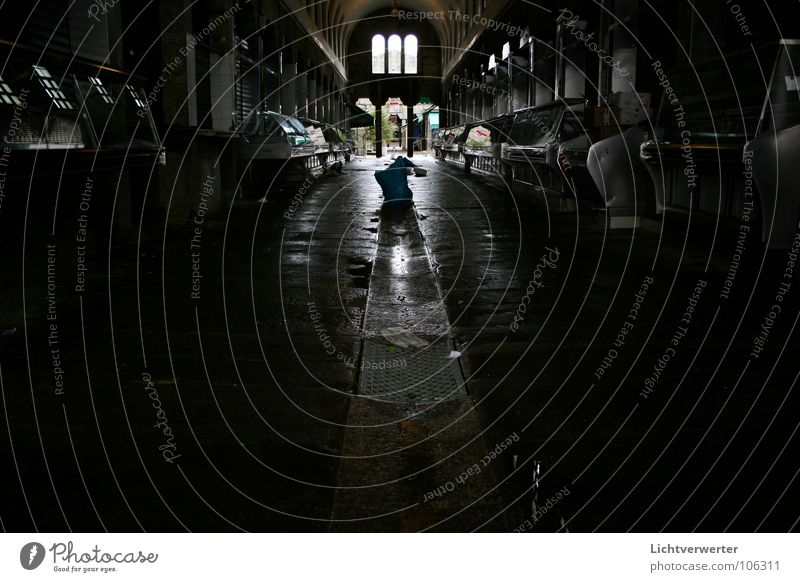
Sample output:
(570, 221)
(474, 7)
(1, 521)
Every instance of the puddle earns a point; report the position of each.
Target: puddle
(360, 270)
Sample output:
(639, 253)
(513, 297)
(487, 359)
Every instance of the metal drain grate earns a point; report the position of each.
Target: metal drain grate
(403, 292)
(419, 376)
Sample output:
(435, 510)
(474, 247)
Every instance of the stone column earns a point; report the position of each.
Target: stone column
(288, 97)
(222, 75)
(378, 132)
(409, 131)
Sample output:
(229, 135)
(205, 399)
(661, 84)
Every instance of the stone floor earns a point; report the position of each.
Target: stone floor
(230, 401)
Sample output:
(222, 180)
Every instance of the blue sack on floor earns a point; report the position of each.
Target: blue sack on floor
(394, 183)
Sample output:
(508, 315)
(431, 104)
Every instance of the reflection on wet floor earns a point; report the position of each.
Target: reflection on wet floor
(408, 372)
(403, 286)
(360, 272)
(273, 405)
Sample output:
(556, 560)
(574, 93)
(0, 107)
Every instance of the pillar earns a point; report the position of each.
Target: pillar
(288, 97)
(222, 75)
(531, 73)
(313, 95)
(378, 132)
(410, 131)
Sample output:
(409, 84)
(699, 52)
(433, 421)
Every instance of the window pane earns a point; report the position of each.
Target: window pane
(535, 126)
(410, 54)
(394, 53)
(378, 53)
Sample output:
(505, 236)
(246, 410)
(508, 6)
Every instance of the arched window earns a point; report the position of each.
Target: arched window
(378, 54)
(402, 54)
(395, 50)
(410, 54)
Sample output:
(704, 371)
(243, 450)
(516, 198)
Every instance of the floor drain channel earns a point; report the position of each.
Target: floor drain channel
(389, 373)
(420, 376)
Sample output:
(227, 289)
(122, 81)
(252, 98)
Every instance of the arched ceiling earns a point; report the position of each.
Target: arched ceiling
(335, 21)
(352, 12)
(356, 10)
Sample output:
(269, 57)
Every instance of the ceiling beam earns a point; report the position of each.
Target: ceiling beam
(302, 17)
(492, 12)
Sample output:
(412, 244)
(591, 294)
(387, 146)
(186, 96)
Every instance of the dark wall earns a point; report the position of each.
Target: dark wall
(427, 81)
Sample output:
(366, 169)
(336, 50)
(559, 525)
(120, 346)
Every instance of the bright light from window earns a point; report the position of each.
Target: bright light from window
(410, 54)
(378, 53)
(395, 50)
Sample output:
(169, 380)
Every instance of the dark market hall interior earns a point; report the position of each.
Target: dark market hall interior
(399, 266)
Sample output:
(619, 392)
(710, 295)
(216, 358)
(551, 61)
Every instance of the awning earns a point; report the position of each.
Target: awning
(359, 117)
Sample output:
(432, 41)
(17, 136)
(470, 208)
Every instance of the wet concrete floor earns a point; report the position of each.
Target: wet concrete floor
(609, 384)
